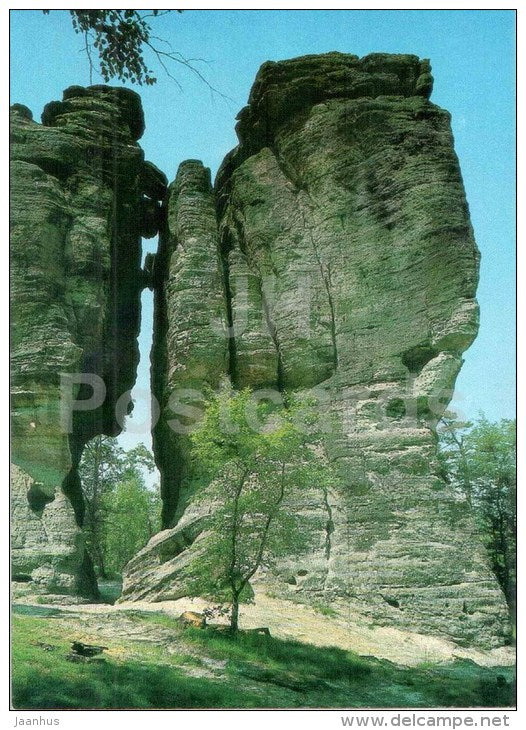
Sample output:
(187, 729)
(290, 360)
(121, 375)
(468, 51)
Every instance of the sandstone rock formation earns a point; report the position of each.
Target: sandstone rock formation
(343, 262)
(334, 256)
(189, 319)
(81, 198)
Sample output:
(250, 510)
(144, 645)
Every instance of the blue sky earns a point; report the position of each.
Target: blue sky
(473, 58)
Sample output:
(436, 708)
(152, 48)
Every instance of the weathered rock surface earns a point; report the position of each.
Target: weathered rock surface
(348, 268)
(81, 197)
(46, 542)
(190, 320)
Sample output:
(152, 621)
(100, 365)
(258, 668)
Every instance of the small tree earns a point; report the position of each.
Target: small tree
(132, 517)
(479, 460)
(103, 466)
(453, 454)
(254, 471)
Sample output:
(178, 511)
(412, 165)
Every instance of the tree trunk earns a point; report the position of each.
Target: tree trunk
(99, 559)
(234, 620)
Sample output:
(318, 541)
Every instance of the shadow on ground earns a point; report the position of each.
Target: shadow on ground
(190, 668)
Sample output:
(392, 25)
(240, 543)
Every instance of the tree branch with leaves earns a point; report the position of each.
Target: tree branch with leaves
(120, 38)
(253, 476)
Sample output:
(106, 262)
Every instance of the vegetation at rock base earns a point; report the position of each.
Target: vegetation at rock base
(121, 513)
(254, 458)
(195, 668)
(479, 460)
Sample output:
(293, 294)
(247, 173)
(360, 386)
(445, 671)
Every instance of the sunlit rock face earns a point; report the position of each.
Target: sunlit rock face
(81, 197)
(190, 349)
(348, 268)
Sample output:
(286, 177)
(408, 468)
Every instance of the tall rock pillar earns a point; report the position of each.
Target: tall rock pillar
(349, 272)
(81, 198)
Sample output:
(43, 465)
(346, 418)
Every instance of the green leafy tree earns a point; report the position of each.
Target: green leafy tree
(121, 38)
(453, 454)
(480, 461)
(99, 470)
(254, 470)
(103, 466)
(132, 516)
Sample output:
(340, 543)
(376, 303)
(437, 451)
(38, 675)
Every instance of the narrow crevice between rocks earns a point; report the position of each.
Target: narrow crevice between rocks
(328, 286)
(158, 364)
(326, 278)
(274, 337)
(226, 246)
(329, 525)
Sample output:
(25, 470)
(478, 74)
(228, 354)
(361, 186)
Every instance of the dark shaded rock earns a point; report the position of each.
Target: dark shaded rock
(153, 182)
(22, 110)
(76, 218)
(37, 498)
(87, 650)
(149, 270)
(150, 217)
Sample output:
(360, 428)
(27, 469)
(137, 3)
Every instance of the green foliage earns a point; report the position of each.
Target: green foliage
(121, 513)
(312, 664)
(132, 516)
(479, 460)
(255, 457)
(44, 679)
(325, 610)
(119, 38)
(259, 671)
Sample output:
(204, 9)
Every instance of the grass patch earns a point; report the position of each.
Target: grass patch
(291, 656)
(250, 671)
(44, 679)
(325, 610)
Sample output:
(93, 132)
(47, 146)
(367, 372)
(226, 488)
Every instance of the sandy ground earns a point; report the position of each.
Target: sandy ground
(288, 620)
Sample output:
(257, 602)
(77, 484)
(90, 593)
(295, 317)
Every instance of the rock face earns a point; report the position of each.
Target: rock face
(81, 197)
(343, 262)
(189, 320)
(46, 541)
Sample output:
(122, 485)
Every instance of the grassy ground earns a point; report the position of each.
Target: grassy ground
(153, 662)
